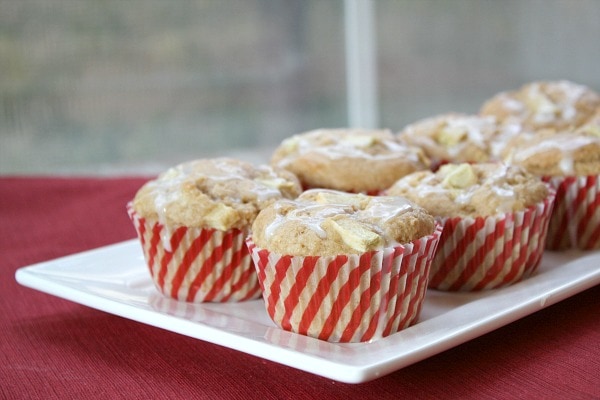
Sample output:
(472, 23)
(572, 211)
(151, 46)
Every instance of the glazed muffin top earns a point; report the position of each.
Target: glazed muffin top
(551, 153)
(591, 127)
(456, 137)
(546, 104)
(219, 193)
(351, 160)
(472, 190)
(322, 222)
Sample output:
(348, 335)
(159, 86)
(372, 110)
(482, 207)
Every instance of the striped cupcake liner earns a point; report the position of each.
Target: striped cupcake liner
(346, 298)
(197, 265)
(490, 252)
(575, 221)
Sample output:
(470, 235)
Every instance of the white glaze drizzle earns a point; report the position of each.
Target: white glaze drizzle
(386, 208)
(555, 109)
(312, 214)
(166, 189)
(336, 144)
(566, 145)
(433, 184)
(309, 214)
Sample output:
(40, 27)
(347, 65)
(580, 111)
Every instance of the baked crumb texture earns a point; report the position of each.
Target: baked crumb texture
(471, 190)
(220, 193)
(560, 142)
(348, 160)
(495, 223)
(456, 138)
(343, 267)
(193, 220)
(545, 104)
(322, 222)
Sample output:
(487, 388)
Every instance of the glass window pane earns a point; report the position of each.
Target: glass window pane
(440, 56)
(126, 83)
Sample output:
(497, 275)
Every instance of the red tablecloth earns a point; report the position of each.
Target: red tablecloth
(53, 348)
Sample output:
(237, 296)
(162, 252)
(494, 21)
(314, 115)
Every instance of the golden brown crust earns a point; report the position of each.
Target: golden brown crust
(219, 193)
(348, 160)
(550, 153)
(464, 190)
(457, 137)
(325, 222)
(546, 104)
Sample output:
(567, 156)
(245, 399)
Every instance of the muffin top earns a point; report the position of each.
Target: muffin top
(323, 222)
(538, 105)
(591, 127)
(350, 160)
(478, 190)
(455, 137)
(551, 153)
(220, 193)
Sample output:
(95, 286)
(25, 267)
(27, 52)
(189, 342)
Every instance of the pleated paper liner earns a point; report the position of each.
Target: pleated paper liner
(491, 252)
(197, 265)
(575, 221)
(346, 298)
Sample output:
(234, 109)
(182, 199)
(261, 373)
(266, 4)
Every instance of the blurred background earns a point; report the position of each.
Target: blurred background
(134, 86)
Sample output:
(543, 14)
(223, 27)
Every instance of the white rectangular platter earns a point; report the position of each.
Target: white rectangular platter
(115, 279)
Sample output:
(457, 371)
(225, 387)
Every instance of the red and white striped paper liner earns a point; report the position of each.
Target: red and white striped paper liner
(197, 265)
(346, 298)
(490, 252)
(575, 221)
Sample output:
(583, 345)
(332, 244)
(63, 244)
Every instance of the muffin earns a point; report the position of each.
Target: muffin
(495, 221)
(457, 138)
(348, 160)
(555, 105)
(570, 162)
(193, 220)
(343, 267)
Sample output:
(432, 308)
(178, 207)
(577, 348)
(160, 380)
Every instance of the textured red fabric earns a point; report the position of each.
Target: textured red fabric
(51, 348)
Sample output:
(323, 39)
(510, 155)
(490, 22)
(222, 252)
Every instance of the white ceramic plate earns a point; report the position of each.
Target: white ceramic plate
(115, 279)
